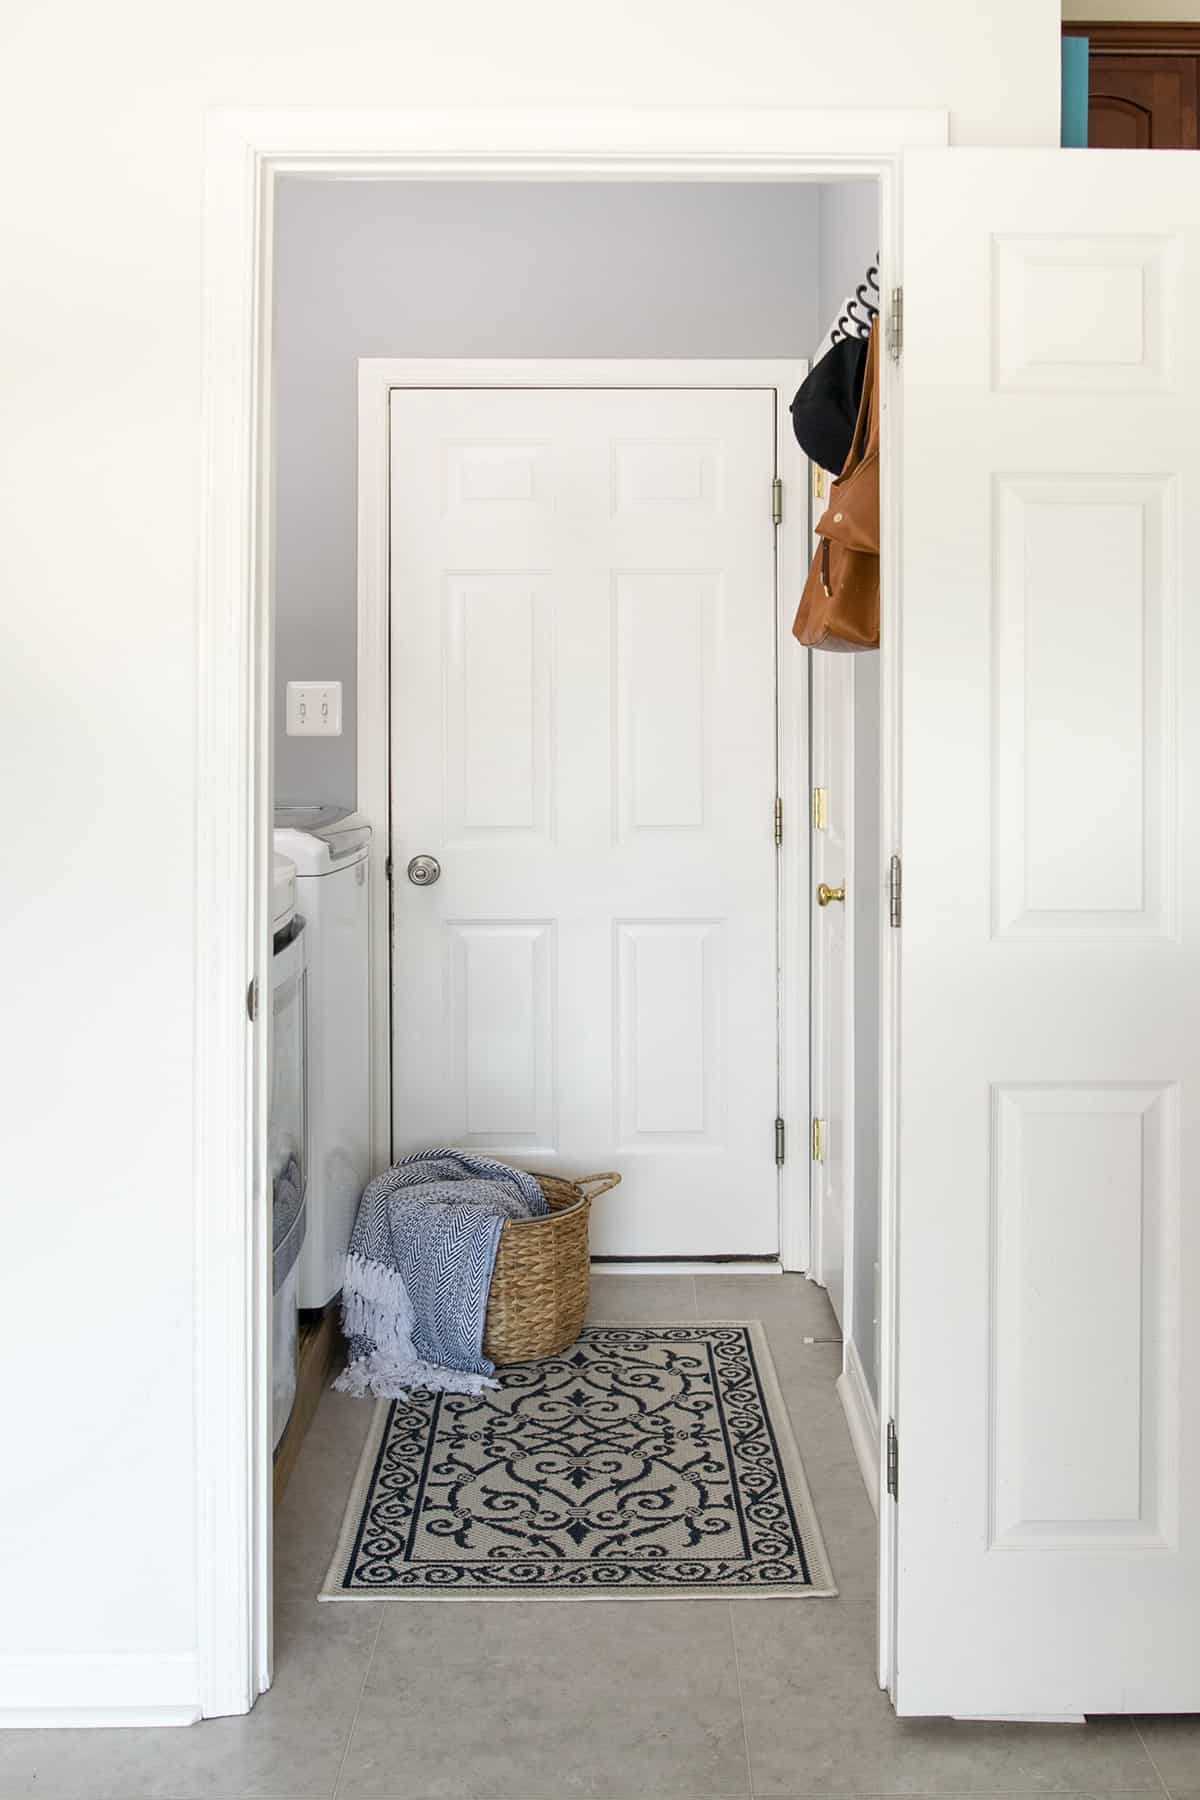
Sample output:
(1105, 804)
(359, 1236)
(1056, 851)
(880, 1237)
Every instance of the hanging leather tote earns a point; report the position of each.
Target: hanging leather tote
(839, 608)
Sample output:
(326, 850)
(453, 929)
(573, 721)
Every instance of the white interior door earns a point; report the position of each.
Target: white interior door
(583, 735)
(1049, 1225)
(832, 967)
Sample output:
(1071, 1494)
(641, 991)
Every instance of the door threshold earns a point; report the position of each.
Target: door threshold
(686, 1265)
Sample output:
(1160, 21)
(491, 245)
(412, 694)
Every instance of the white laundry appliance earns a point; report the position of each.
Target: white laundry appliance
(287, 1137)
(330, 847)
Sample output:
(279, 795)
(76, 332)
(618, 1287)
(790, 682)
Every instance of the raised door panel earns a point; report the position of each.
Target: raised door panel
(500, 1005)
(669, 1049)
(675, 472)
(498, 679)
(1143, 102)
(1083, 314)
(1084, 721)
(1084, 1317)
(663, 630)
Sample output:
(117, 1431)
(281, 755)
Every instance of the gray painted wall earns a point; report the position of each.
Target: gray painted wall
(847, 242)
(464, 269)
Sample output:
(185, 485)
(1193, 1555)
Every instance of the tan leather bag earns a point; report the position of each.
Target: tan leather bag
(839, 608)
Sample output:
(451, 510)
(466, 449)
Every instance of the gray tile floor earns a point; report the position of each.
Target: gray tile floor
(695, 1700)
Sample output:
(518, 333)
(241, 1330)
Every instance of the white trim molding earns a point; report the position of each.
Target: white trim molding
(862, 1418)
(54, 1689)
(246, 151)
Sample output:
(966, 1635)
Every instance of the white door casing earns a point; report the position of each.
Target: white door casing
(1049, 1381)
(583, 644)
(246, 151)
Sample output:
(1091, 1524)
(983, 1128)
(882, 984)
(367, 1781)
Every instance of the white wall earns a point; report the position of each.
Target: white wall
(487, 269)
(101, 121)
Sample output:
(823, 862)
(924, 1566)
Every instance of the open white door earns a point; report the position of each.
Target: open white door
(1049, 1228)
(832, 970)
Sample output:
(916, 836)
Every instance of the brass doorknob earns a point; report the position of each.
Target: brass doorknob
(825, 894)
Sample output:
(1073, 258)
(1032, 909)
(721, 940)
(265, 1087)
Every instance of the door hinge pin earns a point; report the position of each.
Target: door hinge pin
(779, 818)
(777, 501)
(820, 809)
(895, 894)
(893, 1461)
(896, 324)
(252, 1002)
(780, 1143)
(818, 1140)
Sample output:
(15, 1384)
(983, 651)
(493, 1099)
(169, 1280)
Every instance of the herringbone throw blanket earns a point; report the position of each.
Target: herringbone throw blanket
(419, 1270)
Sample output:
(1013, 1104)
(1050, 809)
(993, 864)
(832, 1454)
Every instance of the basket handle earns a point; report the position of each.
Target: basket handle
(592, 1186)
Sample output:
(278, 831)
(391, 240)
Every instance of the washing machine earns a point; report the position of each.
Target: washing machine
(330, 847)
(287, 1136)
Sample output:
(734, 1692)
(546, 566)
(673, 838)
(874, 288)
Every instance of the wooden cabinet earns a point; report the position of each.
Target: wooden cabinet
(1143, 84)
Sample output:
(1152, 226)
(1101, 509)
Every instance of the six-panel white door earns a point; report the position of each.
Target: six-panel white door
(1049, 1221)
(583, 735)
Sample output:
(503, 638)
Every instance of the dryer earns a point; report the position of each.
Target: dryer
(330, 847)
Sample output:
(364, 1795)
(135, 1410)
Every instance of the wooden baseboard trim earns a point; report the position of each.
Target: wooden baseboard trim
(321, 1348)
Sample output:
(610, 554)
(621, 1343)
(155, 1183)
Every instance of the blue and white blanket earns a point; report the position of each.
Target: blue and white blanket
(420, 1268)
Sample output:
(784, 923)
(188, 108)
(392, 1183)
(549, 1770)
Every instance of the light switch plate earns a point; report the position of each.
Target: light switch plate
(314, 709)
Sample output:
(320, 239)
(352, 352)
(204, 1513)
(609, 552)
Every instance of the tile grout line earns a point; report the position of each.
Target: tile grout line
(1149, 1756)
(737, 1670)
(358, 1706)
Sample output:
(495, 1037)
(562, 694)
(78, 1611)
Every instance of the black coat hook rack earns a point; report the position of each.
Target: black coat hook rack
(861, 308)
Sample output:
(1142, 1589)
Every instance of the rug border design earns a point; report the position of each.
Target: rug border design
(821, 1585)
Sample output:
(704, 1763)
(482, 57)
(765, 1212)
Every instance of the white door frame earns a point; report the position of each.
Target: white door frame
(378, 377)
(246, 152)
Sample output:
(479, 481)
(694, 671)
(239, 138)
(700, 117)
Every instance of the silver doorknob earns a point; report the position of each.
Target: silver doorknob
(423, 871)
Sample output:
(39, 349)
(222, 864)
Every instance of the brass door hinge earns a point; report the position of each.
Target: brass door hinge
(818, 1140)
(780, 1143)
(779, 818)
(893, 1461)
(777, 501)
(820, 809)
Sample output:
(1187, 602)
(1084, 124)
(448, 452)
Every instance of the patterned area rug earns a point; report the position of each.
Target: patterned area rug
(647, 1461)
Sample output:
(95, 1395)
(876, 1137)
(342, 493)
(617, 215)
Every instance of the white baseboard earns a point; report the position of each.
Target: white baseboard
(646, 1266)
(1020, 1718)
(52, 1689)
(862, 1417)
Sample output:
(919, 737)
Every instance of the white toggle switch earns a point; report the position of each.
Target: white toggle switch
(314, 709)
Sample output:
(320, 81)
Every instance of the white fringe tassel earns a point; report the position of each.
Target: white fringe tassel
(375, 1305)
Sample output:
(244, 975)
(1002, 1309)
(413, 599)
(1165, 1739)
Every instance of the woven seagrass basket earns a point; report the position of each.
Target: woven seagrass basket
(539, 1292)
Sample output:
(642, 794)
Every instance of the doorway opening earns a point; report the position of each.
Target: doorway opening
(581, 724)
